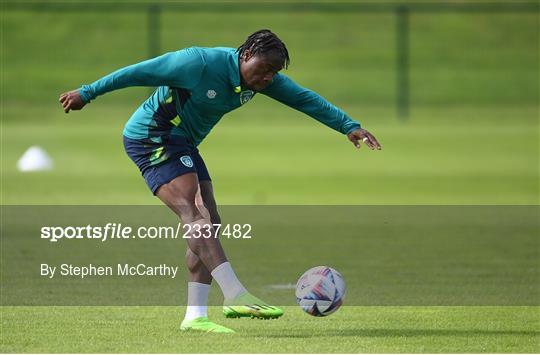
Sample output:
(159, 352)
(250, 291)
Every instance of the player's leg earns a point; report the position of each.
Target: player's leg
(199, 278)
(209, 201)
(206, 203)
(220, 269)
(180, 195)
(170, 173)
(244, 305)
(197, 270)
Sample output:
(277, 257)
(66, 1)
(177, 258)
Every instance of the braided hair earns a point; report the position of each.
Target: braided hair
(266, 43)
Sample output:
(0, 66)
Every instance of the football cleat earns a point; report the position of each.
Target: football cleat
(203, 324)
(247, 305)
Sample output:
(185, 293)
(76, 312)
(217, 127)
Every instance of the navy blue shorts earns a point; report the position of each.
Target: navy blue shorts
(160, 163)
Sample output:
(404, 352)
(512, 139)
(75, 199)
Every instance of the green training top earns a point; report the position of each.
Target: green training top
(196, 87)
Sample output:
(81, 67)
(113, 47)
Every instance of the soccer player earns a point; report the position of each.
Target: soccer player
(195, 88)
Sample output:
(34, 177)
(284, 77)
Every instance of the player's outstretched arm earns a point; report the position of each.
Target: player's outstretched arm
(362, 135)
(307, 101)
(182, 68)
(71, 100)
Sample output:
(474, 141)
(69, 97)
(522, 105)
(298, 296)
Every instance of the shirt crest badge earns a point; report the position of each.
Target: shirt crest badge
(245, 96)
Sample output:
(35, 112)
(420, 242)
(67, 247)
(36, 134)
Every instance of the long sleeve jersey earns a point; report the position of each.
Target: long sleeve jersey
(196, 87)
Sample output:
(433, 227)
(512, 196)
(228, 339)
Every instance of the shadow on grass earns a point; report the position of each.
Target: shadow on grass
(393, 333)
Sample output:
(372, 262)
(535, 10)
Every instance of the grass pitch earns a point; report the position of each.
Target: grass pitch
(350, 330)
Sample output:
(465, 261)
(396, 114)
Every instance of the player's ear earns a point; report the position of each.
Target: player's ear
(246, 55)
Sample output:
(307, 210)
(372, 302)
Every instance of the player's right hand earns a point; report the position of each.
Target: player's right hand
(365, 137)
(71, 100)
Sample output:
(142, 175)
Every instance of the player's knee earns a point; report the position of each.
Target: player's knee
(189, 212)
(187, 209)
(180, 191)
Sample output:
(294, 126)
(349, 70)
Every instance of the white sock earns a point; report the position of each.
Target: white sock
(227, 281)
(197, 305)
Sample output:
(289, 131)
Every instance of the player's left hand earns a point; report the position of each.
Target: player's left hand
(362, 135)
(71, 100)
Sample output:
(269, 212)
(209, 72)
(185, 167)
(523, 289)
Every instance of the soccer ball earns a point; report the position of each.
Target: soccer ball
(320, 291)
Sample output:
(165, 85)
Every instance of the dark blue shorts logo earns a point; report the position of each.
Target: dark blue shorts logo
(186, 160)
